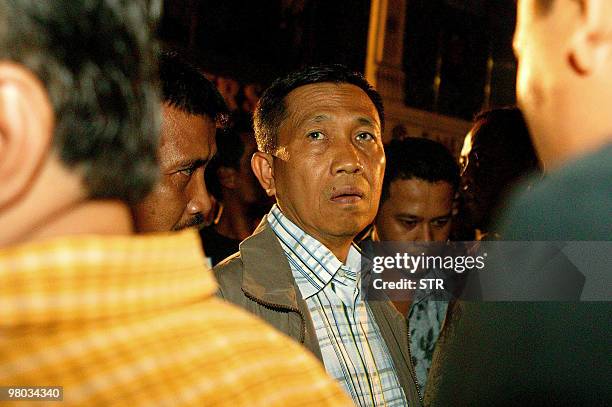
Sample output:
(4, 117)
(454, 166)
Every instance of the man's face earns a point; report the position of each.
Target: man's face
(416, 210)
(180, 198)
(329, 166)
(541, 46)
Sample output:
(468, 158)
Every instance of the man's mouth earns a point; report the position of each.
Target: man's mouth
(347, 195)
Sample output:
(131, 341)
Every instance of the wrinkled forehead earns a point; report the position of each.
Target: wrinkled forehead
(327, 102)
(185, 134)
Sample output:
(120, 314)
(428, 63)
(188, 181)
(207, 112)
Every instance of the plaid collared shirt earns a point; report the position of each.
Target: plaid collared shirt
(352, 347)
(134, 321)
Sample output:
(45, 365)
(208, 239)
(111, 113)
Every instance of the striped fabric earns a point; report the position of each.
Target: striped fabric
(134, 321)
(352, 347)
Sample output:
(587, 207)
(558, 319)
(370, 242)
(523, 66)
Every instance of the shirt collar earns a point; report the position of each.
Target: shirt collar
(314, 263)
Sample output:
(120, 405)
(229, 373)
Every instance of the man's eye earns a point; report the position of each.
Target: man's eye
(440, 223)
(187, 171)
(365, 136)
(409, 224)
(316, 135)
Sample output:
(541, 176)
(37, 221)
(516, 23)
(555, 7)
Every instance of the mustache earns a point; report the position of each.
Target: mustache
(196, 220)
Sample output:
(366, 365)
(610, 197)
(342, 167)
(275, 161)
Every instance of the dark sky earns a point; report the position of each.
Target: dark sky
(260, 40)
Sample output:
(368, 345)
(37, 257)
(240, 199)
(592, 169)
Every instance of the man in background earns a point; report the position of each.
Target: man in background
(548, 353)
(192, 108)
(232, 182)
(420, 182)
(416, 204)
(115, 319)
(497, 153)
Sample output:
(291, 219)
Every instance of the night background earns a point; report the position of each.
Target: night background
(456, 59)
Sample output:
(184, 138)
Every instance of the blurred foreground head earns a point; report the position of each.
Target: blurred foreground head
(564, 85)
(78, 112)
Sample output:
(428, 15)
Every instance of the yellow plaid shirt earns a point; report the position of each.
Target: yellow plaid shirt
(134, 321)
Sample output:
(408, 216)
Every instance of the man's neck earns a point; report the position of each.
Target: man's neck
(573, 149)
(56, 204)
(87, 217)
(235, 222)
(90, 217)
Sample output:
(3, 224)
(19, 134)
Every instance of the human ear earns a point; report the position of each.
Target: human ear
(263, 167)
(591, 48)
(26, 129)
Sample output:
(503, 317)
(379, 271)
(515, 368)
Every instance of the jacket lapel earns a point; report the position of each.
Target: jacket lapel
(268, 279)
(266, 274)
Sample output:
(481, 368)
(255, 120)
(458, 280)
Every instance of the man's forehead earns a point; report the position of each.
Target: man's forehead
(186, 135)
(417, 189)
(314, 102)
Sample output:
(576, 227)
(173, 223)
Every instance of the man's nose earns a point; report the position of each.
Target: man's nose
(426, 233)
(199, 199)
(347, 159)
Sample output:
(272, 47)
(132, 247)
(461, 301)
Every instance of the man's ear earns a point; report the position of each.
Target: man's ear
(263, 167)
(227, 177)
(591, 48)
(26, 129)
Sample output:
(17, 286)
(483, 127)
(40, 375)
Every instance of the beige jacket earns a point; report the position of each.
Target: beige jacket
(258, 278)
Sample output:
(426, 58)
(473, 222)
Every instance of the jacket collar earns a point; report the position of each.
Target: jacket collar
(266, 273)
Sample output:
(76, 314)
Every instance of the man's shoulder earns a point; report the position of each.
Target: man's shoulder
(229, 276)
(569, 204)
(256, 252)
(287, 361)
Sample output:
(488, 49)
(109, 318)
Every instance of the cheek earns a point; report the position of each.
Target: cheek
(400, 232)
(444, 232)
(172, 197)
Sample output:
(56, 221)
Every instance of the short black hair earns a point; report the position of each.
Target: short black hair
(97, 62)
(502, 140)
(230, 148)
(418, 158)
(501, 154)
(271, 109)
(186, 88)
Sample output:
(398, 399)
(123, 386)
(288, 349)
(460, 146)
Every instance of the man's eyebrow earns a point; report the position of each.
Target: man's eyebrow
(316, 119)
(408, 215)
(366, 121)
(193, 163)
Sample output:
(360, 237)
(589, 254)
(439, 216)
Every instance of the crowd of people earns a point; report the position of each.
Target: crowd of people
(165, 242)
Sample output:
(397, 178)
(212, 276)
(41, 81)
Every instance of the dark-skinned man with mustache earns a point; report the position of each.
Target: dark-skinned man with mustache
(191, 110)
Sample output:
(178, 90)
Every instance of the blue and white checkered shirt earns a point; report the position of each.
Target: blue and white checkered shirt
(353, 350)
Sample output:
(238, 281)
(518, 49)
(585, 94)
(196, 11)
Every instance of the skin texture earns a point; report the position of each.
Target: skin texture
(563, 79)
(180, 198)
(327, 172)
(416, 210)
